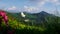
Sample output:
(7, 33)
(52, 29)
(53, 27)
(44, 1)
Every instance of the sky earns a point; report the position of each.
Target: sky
(32, 6)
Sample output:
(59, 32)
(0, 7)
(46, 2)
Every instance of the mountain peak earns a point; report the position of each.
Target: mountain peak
(43, 12)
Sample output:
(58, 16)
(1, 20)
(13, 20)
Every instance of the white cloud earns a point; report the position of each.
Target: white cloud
(30, 8)
(39, 4)
(43, 2)
(56, 2)
(12, 8)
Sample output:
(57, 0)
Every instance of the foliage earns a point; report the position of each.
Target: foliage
(49, 24)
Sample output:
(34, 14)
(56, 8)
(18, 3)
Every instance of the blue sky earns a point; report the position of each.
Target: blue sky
(30, 5)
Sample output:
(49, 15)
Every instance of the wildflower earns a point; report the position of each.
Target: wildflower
(4, 17)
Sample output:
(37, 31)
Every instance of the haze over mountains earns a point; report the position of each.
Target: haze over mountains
(50, 12)
(33, 18)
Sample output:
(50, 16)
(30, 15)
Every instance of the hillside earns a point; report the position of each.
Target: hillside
(34, 18)
(36, 23)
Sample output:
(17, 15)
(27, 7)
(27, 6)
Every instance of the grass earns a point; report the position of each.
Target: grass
(18, 28)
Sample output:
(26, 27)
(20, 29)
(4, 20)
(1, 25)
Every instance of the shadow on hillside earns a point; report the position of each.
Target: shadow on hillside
(9, 30)
(50, 29)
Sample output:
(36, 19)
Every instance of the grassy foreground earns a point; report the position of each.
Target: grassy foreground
(16, 27)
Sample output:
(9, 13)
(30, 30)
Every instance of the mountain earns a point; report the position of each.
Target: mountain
(33, 18)
(37, 23)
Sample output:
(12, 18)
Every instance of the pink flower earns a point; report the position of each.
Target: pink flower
(3, 14)
(6, 20)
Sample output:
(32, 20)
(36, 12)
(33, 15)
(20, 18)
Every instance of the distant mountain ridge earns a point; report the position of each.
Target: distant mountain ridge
(33, 18)
(36, 18)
